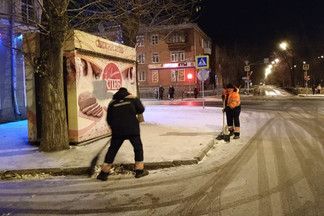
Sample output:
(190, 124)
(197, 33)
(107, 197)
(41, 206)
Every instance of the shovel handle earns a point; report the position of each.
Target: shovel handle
(223, 116)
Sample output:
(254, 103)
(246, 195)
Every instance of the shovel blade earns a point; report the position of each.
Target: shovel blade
(220, 137)
(227, 138)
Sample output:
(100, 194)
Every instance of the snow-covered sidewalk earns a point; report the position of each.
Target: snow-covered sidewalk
(171, 135)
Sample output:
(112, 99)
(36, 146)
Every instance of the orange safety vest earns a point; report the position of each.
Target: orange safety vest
(233, 99)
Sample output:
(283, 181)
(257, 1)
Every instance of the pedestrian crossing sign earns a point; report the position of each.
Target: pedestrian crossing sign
(202, 62)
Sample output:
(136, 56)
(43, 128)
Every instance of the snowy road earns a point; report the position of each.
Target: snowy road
(278, 171)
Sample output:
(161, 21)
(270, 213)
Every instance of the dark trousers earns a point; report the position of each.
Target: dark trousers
(233, 116)
(116, 143)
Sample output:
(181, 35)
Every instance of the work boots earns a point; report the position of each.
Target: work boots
(103, 176)
(141, 173)
(231, 132)
(236, 135)
(139, 170)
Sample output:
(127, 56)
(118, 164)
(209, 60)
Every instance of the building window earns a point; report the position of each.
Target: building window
(182, 37)
(174, 56)
(177, 56)
(155, 76)
(155, 39)
(141, 58)
(178, 75)
(182, 56)
(177, 37)
(27, 11)
(205, 43)
(208, 44)
(174, 75)
(182, 75)
(140, 40)
(155, 58)
(142, 76)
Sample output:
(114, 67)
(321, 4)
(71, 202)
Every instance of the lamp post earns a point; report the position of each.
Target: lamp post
(247, 81)
(306, 77)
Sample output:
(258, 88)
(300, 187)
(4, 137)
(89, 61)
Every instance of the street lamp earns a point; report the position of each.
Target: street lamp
(275, 61)
(283, 45)
(267, 72)
(288, 56)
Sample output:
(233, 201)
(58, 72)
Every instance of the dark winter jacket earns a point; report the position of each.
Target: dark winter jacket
(171, 90)
(121, 114)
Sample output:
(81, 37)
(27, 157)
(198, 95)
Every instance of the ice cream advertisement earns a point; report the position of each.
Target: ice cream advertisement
(94, 69)
(91, 82)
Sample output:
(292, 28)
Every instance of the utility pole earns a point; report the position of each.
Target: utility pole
(247, 81)
(306, 77)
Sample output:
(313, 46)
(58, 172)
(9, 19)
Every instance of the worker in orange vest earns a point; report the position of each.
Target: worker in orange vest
(233, 109)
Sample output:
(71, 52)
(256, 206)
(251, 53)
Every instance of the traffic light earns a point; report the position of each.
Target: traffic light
(189, 76)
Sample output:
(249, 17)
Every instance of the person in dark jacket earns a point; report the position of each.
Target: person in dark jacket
(161, 92)
(196, 91)
(171, 92)
(313, 89)
(122, 120)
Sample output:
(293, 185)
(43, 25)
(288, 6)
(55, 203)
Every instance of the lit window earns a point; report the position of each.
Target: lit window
(155, 39)
(174, 75)
(177, 75)
(182, 75)
(177, 37)
(155, 76)
(182, 38)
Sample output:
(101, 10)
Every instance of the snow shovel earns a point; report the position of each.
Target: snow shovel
(225, 133)
(96, 158)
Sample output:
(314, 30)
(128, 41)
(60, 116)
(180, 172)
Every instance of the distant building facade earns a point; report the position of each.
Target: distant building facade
(166, 56)
(16, 17)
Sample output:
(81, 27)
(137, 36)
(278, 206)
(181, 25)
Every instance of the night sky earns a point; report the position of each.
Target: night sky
(261, 24)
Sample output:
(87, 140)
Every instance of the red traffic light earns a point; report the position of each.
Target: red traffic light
(189, 76)
(307, 78)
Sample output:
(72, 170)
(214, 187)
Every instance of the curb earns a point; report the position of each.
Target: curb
(19, 174)
(311, 95)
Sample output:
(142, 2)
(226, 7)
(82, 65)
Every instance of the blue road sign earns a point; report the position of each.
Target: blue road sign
(202, 62)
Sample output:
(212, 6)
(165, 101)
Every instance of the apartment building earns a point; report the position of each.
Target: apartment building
(16, 17)
(166, 56)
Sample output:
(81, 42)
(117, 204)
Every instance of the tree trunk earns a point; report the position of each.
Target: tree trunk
(54, 134)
